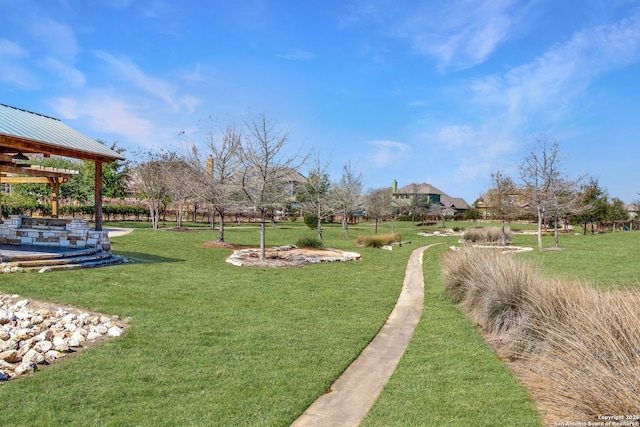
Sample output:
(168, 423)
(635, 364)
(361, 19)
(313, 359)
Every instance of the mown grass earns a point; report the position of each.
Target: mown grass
(576, 346)
(449, 375)
(607, 260)
(209, 343)
(214, 344)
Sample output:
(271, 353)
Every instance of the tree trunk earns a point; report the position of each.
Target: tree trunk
(221, 228)
(345, 225)
(263, 232)
(540, 215)
(319, 229)
(556, 240)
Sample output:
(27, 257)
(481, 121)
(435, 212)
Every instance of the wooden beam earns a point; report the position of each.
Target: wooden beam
(25, 180)
(35, 170)
(98, 196)
(54, 183)
(31, 146)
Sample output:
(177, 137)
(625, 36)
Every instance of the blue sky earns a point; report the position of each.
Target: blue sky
(416, 91)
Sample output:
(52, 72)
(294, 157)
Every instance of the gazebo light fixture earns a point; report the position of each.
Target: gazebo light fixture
(19, 156)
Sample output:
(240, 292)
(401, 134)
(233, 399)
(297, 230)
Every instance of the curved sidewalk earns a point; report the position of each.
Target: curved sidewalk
(353, 394)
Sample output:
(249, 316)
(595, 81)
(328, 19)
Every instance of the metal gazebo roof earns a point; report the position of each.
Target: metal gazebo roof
(29, 132)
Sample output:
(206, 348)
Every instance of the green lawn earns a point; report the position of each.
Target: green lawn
(605, 260)
(214, 344)
(449, 375)
(209, 343)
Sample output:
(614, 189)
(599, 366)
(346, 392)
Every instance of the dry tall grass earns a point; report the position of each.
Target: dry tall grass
(377, 240)
(491, 235)
(578, 348)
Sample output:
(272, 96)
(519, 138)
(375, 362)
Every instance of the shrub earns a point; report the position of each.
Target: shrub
(491, 235)
(377, 240)
(309, 242)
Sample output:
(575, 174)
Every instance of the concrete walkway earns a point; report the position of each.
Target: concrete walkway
(354, 393)
(118, 231)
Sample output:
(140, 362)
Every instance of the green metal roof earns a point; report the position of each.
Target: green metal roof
(26, 125)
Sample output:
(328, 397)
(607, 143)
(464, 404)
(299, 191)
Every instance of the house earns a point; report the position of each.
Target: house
(405, 197)
(514, 201)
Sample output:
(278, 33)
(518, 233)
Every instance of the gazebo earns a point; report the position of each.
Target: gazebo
(24, 132)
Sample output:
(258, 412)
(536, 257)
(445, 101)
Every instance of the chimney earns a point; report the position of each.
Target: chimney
(210, 166)
(394, 187)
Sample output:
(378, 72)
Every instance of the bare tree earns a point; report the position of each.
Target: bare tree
(148, 180)
(315, 194)
(540, 171)
(219, 174)
(180, 178)
(442, 212)
(265, 167)
(379, 205)
(502, 199)
(346, 194)
(564, 200)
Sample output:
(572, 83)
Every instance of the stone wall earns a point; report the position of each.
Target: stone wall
(76, 233)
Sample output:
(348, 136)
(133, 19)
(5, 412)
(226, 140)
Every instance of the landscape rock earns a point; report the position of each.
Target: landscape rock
(114, 331)
(36, 333)
(10, 356)
(25, 368)
(33, 356)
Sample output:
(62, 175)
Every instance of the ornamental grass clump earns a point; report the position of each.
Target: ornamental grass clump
(378, 240)
(488, 285)
(309, 242)
(578, 348)
(589, 364)
(487, 235)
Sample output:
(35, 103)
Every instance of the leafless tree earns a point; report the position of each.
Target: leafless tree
(346, 193)
(502, 199)
(442, 212)
(265, 167)
(148, 180)
(565, 199)
(379, 205)
(180, 177)
(218, 176)
(540, 171)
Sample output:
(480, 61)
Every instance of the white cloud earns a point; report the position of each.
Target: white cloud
(532, 98)
(108, 114)
(12, 69)
(457, 34)
(11, 49)
(119, 4)
(296, 55)
(69, 75)
(461, 34)
(130, 72)
(386, 153)
(59, 38)
(547, 85)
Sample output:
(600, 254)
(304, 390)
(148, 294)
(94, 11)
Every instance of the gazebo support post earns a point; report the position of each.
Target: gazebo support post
(1, 221)
(54, 183)
(98, 196)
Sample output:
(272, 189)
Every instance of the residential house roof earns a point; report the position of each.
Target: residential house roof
(456, 203)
